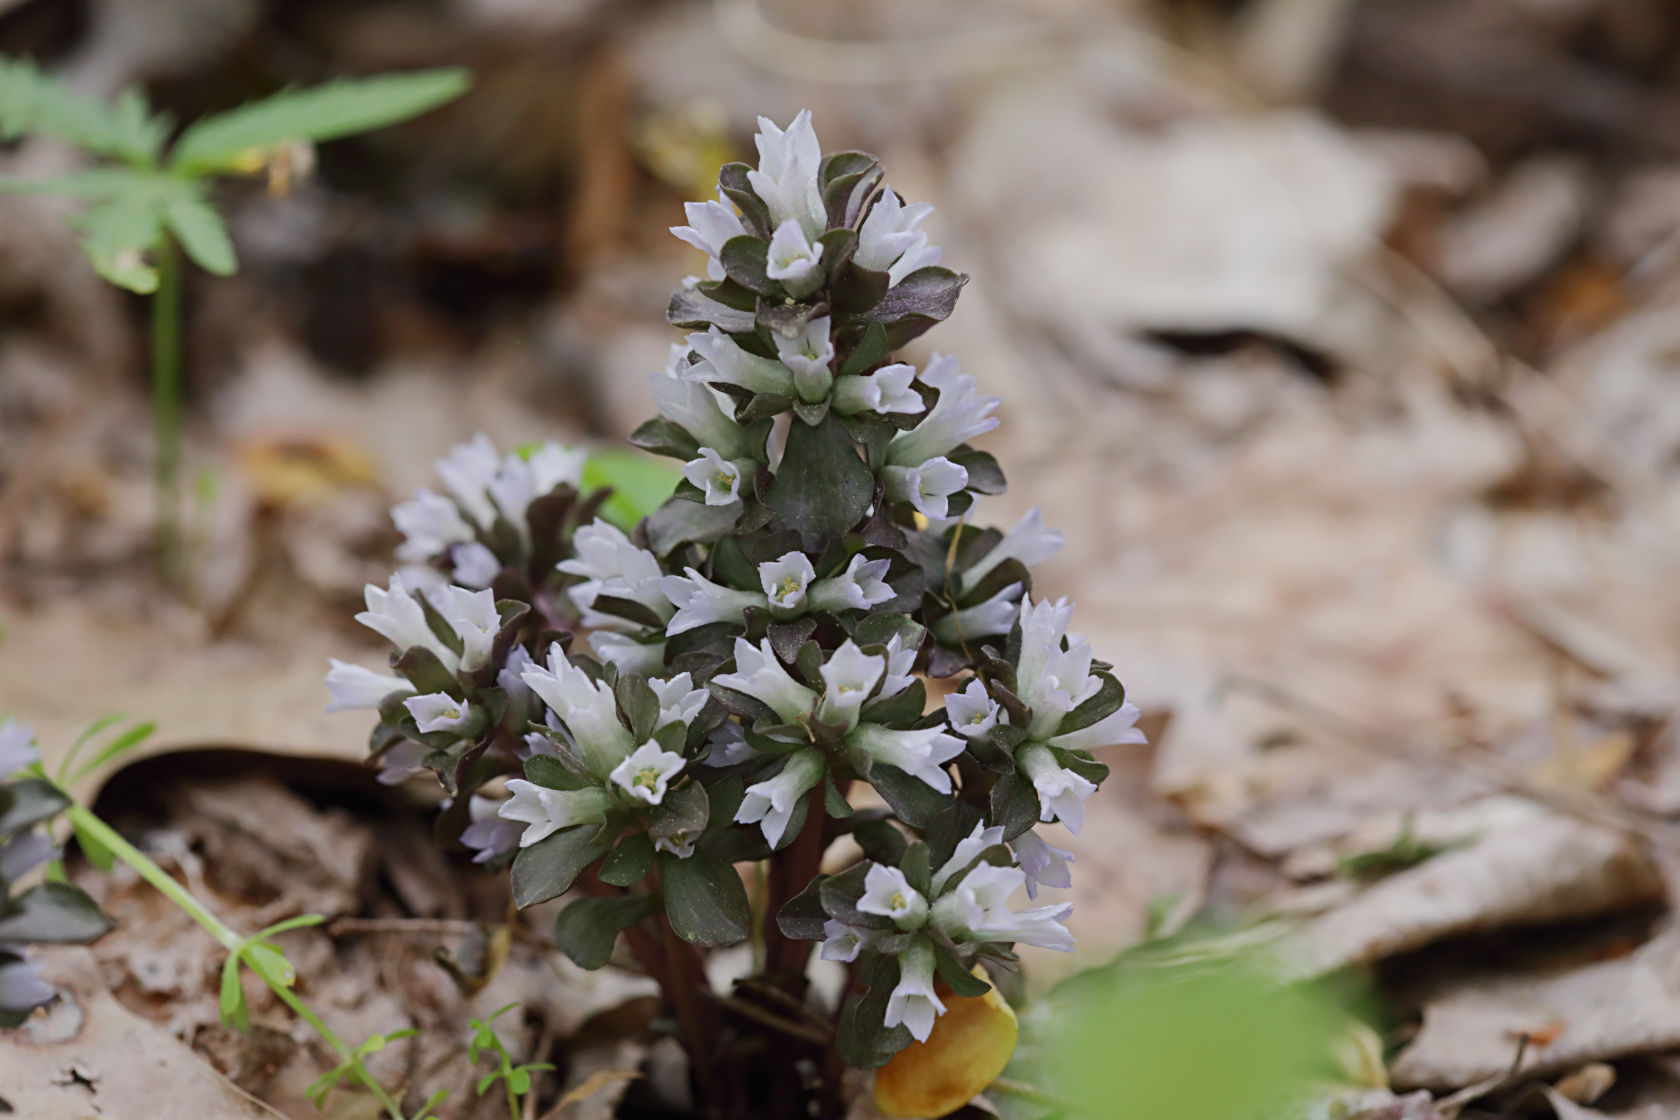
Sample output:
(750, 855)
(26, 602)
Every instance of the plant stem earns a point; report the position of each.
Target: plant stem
(166, 411)
(88, 823)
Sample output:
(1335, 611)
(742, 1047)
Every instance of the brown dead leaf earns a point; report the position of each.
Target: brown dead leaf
(597, 1082)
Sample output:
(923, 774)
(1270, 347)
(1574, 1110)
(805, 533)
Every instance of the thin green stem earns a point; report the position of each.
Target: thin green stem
(166, 409)
(90, 824)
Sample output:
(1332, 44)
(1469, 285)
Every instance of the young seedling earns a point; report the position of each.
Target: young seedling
(147, 199)
(632, 714)
(515, 1079)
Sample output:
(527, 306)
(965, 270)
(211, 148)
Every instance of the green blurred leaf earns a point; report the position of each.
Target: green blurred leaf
(32, 102)
(201, 233)
(325, 112)
(53, 912)
(640, 483)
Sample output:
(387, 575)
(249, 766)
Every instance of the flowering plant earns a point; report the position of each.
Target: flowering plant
(759, 649)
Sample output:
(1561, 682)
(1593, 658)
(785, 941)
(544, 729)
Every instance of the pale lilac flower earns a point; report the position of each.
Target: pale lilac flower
(710, 227)
(771, 803)
(546, 811)
(956, 417)
(760, 675)
(786, 176)
(23, 853)
(1042, 862)
(842, 942)
(888, 894)
(439, 711)
(350, 686)
(859, 587)
(695, 408)
(473, 565)
(722, 359)
(850, 675)
(888, 240)
(429, 524)
(794, 261)
(586, 707)
(785, 580)
(977, 910)
(646, 772)
(679, 700)
(922, 754)
(994, 616)
(973, 712)
(718, 477)
(928, 487)
(729, 746)
(21, 986)
(1029, 542)
(913, 1001)
(701, 602)
(467, 471)
(808, 355)
(611, 565)
(510, 678)
(489, 836)
(401, 762)
(1061, 792)
(901, 663)
(968, 849)
(396, 615)
(885, 390)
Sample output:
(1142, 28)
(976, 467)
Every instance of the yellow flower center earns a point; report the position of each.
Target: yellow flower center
(647, 778)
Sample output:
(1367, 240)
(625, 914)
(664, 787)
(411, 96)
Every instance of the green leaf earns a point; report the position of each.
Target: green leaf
(53, 912)
(94, 848)
(235, 1012)
(119, 746)
(871, 348)
(693, 308)
(33, 800)
(586, 930)
(629, 862)
(823, 487)
(745, 259)
(704, 899)
(326, 112)
(201, 233)
(802, 917)
(32, 102)
(913, 801)
(117, 234)
(639, 484)
(548, 868)
(961, 981)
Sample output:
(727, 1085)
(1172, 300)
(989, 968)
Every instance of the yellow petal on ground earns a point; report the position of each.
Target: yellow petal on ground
(969, 1046)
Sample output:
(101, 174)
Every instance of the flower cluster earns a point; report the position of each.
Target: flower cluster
(48, 911)
(762, 645)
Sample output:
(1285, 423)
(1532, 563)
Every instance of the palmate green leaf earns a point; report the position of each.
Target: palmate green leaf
(325, 112)
(32, 102)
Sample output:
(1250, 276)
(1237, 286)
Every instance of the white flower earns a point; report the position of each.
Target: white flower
(886, 390)
(402, 762)
(793, 260)
(510, 678)
(956, 417)
(710, 226)
(900, 665)
(718, 477)
(586, 707)
(888, 240)
(396, 615)
(438, 711)
(611, 565)
(646, 772)
(786, 177)
(1049, 679)
(927, 487)
(729, 746)
(473, 565)
(888, 894)
(351, 687)
(701, 602)
(849, 675)
(554, 464)
(785, 580)
(972, 711)
(1112, 730)
(859, 587)
(680, 845)
(808, 354)
(1061, 792)
(467, 471)
(760, 675)
(694, 408)
(429, 524)
(913, 1001)
(977, 910)
(994, 616)
(472, 615)
(722, 359)
(679, 700)
(1029, 542)
(17, 744)
(629, 654)
(546, 811)
(968, 849)
(1041, 862)
(842, 942)
(771, 803)
(921, 754)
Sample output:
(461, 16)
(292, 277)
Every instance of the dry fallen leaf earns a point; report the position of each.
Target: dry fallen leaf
(596, 1082)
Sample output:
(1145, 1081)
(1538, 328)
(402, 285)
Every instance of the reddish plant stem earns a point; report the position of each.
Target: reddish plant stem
(784, 958)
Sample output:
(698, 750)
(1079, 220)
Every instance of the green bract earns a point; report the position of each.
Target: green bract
(632, 715)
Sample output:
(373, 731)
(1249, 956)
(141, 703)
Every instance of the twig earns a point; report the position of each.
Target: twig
(772, 1020)
(1450, 1107)
(408, 927)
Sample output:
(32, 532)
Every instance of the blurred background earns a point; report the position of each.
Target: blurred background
(1337, 336)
